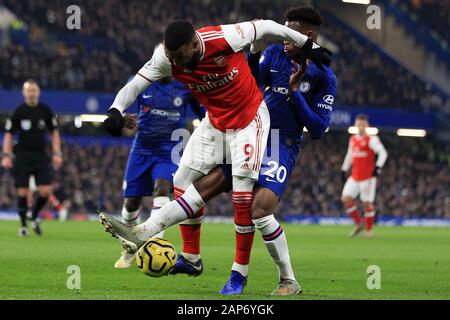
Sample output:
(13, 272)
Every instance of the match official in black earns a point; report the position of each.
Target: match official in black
(31, 121)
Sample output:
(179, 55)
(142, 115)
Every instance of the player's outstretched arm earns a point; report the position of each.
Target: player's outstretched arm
(243, 34)
(157, 68)
(126, 96)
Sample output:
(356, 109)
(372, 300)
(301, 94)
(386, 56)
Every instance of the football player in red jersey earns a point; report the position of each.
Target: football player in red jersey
(362, 149)
(210, 62)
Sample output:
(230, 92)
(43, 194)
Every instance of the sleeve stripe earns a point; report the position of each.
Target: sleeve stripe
(144, 77)
(254, 30)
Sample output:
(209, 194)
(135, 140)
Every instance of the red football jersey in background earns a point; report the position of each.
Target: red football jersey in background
(363, 157)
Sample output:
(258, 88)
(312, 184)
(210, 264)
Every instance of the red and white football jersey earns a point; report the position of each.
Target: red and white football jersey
(361, 156)
(222, 81)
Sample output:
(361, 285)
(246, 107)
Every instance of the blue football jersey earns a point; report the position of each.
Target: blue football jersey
(310, 107)
(162, 109)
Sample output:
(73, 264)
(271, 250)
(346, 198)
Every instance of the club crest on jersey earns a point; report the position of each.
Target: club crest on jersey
(305, 86)
(178, 101)
(220, 61)
(25, 124)
(146, 109)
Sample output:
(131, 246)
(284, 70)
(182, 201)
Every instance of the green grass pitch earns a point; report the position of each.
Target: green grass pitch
(414, 263)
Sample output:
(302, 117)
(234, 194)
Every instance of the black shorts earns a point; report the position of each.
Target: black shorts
(27, 164)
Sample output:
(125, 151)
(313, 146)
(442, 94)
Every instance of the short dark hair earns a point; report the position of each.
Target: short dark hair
(31, 81)
(362, 116)
(305, 14)
(177, 34)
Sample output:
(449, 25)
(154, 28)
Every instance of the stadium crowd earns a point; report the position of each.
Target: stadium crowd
(362, 82)
(435, 14)
(414, 182)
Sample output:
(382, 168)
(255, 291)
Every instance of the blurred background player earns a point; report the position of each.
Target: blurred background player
(31, 121)
(162, 109)
(60, 207)
(295, 101)
(361, 152)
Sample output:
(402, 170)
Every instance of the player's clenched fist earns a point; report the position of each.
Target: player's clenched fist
(114, 123)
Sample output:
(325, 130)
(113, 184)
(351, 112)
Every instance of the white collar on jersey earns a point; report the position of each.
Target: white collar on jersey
(202, 46)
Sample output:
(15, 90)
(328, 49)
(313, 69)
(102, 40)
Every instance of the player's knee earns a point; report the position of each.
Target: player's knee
(22, 192)
(45, 192)
(368, 206)
(261, 208)
(132, 204)
(162, 188)
(181, 178)
(259, 212)
(347, 201)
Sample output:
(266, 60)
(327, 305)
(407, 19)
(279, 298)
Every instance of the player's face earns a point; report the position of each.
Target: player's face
(187, 56)
(31, 93)
(291, 49)
(361, 125)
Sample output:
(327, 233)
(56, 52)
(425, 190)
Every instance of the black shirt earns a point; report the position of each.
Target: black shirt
(32, 125)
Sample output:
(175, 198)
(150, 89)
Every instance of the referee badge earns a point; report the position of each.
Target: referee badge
(25, 124)
(41, 125)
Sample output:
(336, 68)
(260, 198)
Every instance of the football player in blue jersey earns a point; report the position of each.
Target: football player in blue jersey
(296, 100)
(162, 109)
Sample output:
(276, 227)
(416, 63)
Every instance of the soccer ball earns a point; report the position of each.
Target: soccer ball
(156, 258)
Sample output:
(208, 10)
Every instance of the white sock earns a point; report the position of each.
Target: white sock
(276, 244)
(158, 203)
(130, 217)
(171, 213)
(241, 268)
(191, 257)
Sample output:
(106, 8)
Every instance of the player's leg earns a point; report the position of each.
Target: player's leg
(136, 185)
(348, 198)
(273, 178)
(44, 193)
(368, 190)
(43, 177)
(203, 153)
(195, 163)
(161, 193)
(264, 203)
(21, 174)
(130, 216)
(22, 208)
(173, 212)
(247, 148)
(189, 261)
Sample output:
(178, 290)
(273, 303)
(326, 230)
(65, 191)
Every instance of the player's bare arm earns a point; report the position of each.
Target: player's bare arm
(57, 156)
(7, 155)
